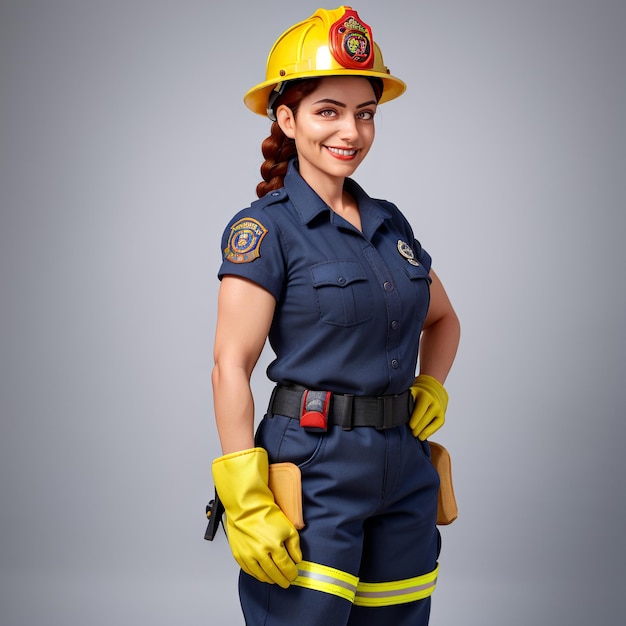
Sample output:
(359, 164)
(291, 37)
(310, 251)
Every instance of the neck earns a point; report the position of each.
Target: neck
(329, 189)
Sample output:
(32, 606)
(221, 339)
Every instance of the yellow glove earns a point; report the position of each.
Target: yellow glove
(263, 541)
(429, 412)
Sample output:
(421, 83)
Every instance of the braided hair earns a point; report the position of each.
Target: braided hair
(278, 149)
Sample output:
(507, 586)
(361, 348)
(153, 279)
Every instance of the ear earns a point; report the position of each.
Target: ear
(286, 120)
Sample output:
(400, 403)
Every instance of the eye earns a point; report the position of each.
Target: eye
(365, 115)
(327, 113)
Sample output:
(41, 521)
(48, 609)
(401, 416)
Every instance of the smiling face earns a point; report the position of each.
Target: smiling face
(333, 128)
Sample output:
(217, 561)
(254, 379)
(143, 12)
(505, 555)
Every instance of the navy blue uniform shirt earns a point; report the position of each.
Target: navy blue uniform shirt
(350, 305)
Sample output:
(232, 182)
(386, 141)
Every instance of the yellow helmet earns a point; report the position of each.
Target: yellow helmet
(329, 43)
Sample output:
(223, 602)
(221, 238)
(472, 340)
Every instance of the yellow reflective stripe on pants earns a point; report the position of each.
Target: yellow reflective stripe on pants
(396, 592)
(335, 582)
(326, 579)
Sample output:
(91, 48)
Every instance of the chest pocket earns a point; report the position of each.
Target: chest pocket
(420, 280)
(344, 297)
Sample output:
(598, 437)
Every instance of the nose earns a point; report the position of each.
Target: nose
(349, 131)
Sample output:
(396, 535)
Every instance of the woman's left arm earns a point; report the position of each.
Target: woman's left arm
(440, 334)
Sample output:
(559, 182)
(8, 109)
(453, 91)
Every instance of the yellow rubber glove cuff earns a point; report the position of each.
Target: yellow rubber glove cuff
(263, 541)
(431, 402)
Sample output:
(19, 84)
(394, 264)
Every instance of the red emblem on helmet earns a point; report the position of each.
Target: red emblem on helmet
(351, 42)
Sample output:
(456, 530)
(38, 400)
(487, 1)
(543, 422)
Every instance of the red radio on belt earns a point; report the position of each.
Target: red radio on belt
(314, 411)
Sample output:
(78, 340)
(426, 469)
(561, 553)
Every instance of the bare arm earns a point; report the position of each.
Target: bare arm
(441, 333)
(244, 317)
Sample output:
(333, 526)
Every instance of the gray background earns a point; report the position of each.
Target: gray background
(125, 147)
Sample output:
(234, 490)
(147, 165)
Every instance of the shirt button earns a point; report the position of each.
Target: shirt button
(395, 324)
(276, 193)
(388, 286)
(341, 280)
(395, 364)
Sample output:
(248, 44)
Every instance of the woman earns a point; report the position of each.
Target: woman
(343, 290)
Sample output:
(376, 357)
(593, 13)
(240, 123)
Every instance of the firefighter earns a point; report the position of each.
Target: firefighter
(344, 291)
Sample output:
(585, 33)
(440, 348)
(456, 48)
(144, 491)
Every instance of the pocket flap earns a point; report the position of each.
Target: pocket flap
(337, 273)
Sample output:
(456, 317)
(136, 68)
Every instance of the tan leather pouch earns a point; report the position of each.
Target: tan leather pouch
(447, 510)
(285, 482)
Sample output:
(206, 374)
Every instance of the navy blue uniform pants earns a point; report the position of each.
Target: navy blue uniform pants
(370, 544)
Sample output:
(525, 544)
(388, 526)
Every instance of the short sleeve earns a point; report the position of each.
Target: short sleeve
(251, 248)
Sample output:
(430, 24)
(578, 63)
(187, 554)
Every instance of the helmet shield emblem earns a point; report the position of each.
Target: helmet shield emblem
(351, 42)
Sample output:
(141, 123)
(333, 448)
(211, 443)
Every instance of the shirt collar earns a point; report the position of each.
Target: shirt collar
(309, 205)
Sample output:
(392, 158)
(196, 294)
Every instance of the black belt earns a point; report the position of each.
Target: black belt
(347, 410)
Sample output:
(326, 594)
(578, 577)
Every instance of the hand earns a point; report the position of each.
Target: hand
(263, 541)
(431, 401)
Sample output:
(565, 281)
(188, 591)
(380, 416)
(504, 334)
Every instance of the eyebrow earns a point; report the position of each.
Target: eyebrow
(341, 104)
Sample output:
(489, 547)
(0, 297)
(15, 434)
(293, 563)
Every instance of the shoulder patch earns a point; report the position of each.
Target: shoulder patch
(244, 241)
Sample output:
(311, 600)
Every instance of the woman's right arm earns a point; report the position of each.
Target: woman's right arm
(263, 541)
(244, 316)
